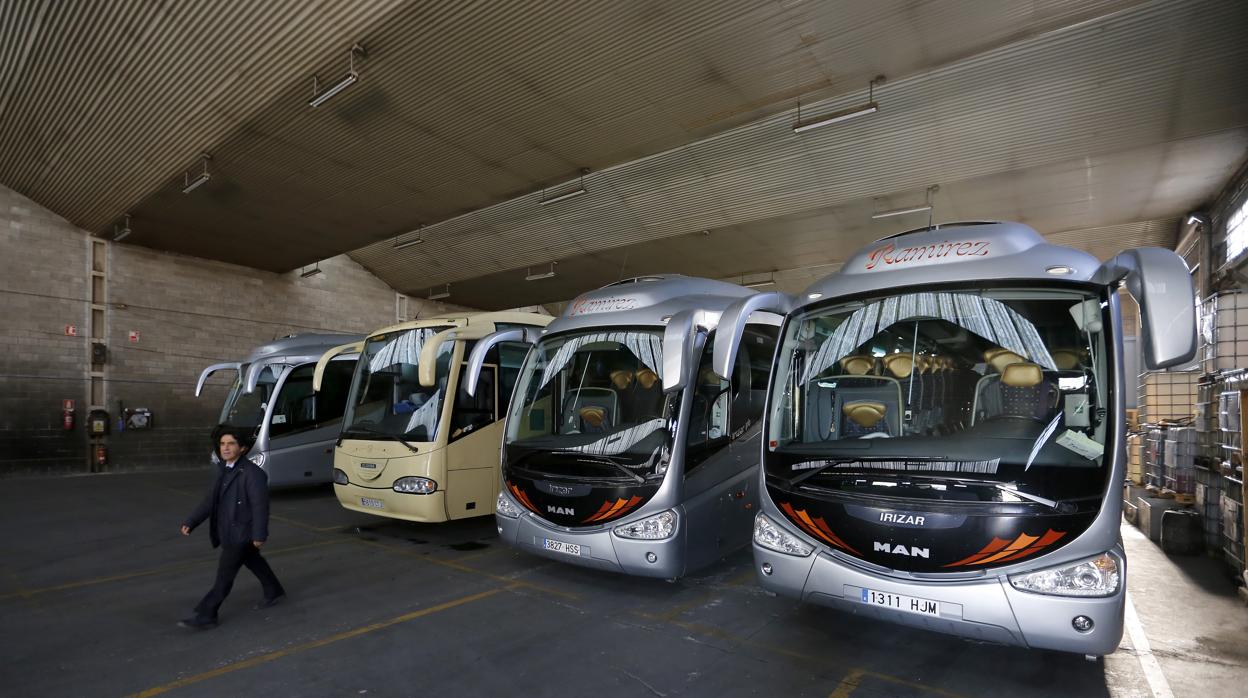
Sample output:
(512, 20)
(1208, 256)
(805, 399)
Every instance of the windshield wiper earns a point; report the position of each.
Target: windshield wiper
(603, 460)
(833, 463)
(368, 430)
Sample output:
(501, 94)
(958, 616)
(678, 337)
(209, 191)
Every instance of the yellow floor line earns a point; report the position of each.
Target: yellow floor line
(272, 656)
(25, 593)
(847, 685)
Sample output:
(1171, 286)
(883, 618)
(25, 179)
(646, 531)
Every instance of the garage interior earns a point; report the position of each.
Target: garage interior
(183, 183)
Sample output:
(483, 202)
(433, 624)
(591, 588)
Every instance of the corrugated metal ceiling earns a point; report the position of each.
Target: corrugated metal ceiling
(461, 105)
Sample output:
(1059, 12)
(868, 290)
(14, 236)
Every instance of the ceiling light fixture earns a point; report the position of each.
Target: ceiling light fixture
(444, 293)
(119, 235)
(408, 243)
(305, 273)
(319, 97)
(567, 194)
(192, 184)
(870, 107)
(926, 207)
(769, 281)
(540, 275)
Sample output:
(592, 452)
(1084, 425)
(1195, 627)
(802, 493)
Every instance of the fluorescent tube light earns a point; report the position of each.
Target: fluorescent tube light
(119, 235)
(192, 184)
(311, 272)
(835, 117)
(444, 293)
(406, 243)
(563, 196)
(759, 284)
(346, 81)
(902, 211)
(319, 97)
(542, 274)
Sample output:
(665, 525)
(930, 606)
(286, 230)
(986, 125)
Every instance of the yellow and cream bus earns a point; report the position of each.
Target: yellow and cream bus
(414, 444)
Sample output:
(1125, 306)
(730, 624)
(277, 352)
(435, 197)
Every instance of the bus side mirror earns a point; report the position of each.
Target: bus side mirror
(319, 374)
(732, 325)
(476, 359)
(203, 377)
(1161, 284)
(677, 350)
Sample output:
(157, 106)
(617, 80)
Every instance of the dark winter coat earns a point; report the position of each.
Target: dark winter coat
(237, 505)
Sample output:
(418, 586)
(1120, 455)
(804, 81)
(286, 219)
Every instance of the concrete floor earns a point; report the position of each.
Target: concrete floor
(93, 576)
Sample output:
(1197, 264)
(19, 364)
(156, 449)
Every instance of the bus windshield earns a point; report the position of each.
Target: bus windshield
(387, 398)
(591, 405)
(247, 409)
(950, 395)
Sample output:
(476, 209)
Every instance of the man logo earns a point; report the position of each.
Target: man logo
(566, 511)
(912, 551)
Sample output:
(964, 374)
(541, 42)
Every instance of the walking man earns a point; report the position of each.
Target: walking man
(237, 509)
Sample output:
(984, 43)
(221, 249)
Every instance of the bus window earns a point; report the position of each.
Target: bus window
(721, 409)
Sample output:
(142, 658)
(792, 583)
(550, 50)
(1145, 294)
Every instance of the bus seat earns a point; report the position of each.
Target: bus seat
(864, 417)
(647, 378)
(857, 365)
(1066, 359)
(1002, 359)
(900, 365)
(590, 409)
(1025, 392)
(621, 379)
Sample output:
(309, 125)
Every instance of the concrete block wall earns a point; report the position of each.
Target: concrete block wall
(187, 313)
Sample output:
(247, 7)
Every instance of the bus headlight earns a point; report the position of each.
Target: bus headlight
(769, 535)
(506, 508)
(415, 485)
(657, 527)
(1098, 576)
(340, 477)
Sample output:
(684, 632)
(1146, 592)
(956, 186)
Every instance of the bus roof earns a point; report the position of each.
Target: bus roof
(646, 300)
(312, 345)
(469, 319)
(952, 252)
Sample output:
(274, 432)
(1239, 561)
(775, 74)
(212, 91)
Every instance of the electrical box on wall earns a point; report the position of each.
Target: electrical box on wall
(137, 418)
(97, 422)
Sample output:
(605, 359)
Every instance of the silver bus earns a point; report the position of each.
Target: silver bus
(623, 450)
(295, 427)
(945, 432)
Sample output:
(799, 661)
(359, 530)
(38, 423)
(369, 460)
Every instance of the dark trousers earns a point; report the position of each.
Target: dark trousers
(232, 558)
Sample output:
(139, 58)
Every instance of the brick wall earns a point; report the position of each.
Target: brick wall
(188, 313)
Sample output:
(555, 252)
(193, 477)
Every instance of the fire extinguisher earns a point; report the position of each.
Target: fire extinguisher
(67, 415)
(101, 454)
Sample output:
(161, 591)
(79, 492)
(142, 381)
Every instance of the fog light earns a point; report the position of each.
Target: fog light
(652, 558)
(767, 568)
(340, 477)
(1082, 623)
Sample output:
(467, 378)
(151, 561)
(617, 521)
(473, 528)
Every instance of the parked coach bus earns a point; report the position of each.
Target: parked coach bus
(294, 428)
(945, 436)
(415, 445)
(623, 450)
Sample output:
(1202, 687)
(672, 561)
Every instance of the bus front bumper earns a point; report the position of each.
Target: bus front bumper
(986, 610)
(598, 549)
(424, 508)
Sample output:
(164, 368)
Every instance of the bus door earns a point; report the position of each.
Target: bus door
(303, 423)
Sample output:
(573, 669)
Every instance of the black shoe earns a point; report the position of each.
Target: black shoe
(198, 623)
(269, 603)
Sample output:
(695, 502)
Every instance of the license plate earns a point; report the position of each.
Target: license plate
(372, 503)
(909, 604)
(561, 547)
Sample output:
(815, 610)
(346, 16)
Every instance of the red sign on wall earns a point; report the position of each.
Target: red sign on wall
(71, 330)
(134, 335)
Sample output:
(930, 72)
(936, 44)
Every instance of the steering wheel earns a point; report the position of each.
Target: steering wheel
(877, 435)
(1002, 417)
